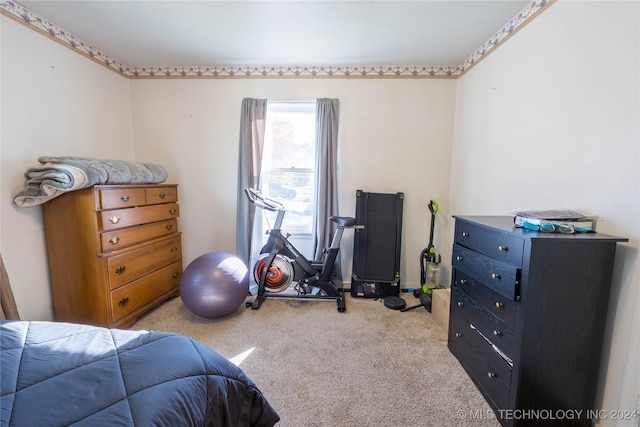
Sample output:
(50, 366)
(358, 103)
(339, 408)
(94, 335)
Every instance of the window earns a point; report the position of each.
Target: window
(288, 172)
(310, 171)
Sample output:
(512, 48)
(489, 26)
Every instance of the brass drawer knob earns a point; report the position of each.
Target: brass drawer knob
(465, 234)
(169, 227)
(125, 198)
(460, 304)
(499, 305)
(458, 335)
(463, 282)
(175, 275)
(172, 211)
(124, 301)
(114, 219)
(495, 276)
(162, 195)
(120, 270)
(459, 258)
(503, 248)
(497, 333)
(114, 240)
(491, 375)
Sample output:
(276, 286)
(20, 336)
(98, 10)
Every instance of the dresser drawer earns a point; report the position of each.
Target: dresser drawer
(501, 277)
(495, 330)
(128, 266)
(118, 198)
(119, 218)
(504, 308)
(156, 195)
(493, 243)
(136, 294)
(125, 237)
(489, 370)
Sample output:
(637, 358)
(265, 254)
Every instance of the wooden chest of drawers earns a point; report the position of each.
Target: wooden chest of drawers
(527, 317)
(114, 252)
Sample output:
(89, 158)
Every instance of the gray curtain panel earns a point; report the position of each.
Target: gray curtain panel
(252, 127)
(327, 115)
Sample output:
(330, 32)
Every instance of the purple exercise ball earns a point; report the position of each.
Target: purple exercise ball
(214, 284)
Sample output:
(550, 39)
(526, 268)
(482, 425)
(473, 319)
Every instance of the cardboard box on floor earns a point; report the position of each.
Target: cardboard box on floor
(440, 307)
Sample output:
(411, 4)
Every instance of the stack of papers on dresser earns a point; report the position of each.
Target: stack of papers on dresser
(556, 216)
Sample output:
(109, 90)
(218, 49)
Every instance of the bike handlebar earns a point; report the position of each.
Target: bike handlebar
(259, 200)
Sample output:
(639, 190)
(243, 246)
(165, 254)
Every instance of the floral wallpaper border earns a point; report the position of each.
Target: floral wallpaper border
(36, 22)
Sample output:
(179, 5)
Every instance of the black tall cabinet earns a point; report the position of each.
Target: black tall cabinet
(376, 246)
(527, 317)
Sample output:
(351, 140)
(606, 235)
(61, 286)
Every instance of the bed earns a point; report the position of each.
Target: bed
(60, 374)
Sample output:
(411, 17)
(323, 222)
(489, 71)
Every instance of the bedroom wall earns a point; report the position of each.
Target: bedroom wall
(54, 102)
(395, 136)
(551, 120)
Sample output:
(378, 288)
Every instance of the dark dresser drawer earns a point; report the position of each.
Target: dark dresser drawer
(502, 307)
(501, 277)
(489, 370)
(501, 246)
(495, 330)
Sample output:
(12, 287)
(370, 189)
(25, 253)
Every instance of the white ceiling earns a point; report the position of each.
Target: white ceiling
(296, 33)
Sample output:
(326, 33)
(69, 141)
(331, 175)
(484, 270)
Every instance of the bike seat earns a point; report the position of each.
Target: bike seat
(343, 221)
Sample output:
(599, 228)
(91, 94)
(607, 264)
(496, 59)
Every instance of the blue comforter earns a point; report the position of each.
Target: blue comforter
(60, 374)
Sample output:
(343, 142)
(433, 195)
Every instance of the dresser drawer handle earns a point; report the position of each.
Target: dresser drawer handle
(460, 304)
(120, 270)
(458, 258)
(125, 198)
(169, 227)
(175, 275)
(491, 375)
(124, 301)
(499, 305)
(114, 219)
(162, 195)
(114, 240)
(174, 250)
(497, 333)
(458, 335)
(463, 281)
(495, 276)
(465, 234)
(172, 211)
(503, 248)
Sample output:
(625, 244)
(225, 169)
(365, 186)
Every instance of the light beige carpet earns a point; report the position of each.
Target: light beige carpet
(369, 366)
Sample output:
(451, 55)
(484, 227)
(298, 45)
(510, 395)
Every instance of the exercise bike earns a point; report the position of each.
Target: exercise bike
(280, 264)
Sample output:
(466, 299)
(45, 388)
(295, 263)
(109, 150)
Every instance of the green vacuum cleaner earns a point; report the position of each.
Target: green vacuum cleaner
(429, 260)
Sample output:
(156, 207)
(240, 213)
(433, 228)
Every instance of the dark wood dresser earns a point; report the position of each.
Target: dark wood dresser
(527, 317)
(114, 252)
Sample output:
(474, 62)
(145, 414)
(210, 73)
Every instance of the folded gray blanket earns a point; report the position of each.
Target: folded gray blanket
(59, 175)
